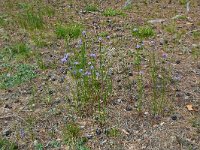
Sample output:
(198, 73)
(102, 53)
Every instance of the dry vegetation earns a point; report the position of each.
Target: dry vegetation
(100, 74)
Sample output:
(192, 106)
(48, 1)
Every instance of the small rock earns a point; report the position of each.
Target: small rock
(101, 143)
(7, 106)
(50, 92)
(156, 21)
(198, 65)
(130, 74)
(98, 131)
(129, 108)
(178, 62)
(53, 78)
(118, 80)
(89, 136)
(174, 117)
(7, 132)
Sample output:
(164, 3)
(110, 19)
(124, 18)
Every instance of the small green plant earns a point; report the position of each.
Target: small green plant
(71, 31)
(15, 75)
(196, 34)
(48, 10)
(143, 32)
(92, 80)
(71, 134)
(103, 34)
(171, 28)
(31, 20)
(183, 2)
(39, 146)
(113, 132)
(7, 145)
(160, 77)
(21, 49)
(140, 86)
(195, 123)
(91, 8)
(72, 131)
(3, 20)
(110, 12)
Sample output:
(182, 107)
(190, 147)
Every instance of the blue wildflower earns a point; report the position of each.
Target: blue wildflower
(84, 33)
(76, 63)
(138, 46)
(80, 70)
(65, 58)
(93, 55)
(164, 55)
(87, 73)
(91, 67)
(100, 39)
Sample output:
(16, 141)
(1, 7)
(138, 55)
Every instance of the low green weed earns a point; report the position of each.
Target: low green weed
(143, 32)
(7, 145)
(19, 51)
(140, 86)
(110, 12)
(15, 75)
(91, 8)
(93, 83)
(68, 32)
(31, 20)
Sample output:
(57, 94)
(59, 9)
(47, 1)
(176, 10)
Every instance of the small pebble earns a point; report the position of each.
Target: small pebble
(7, 106)
(7, 132)
(129, 108)
(178, 62)
(130, 74)
(50, 92)
(174, 117)
(119, 80)
(98, 131)
(89, 136)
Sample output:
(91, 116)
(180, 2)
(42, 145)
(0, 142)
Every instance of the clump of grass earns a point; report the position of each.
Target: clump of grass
(40, 40)
(20, 51)
(3, 20)
(71, 31)
(72, 137)
(38, 146)
(196, 34)
(91, 8)
(171, 28)
(110, 12)
(140, 86)
(93, 83)
(31, 20)
(113, 132)
(183, 2)
(71, 131)
(49, 11)
(15, 75)
(143, 32)
(103, 34)
(160, 78)
(7, 145)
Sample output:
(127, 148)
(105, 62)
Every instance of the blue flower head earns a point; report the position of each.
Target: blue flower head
(65, 58)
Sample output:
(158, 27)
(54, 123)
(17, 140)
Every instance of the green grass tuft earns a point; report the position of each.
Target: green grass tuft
(91, 8)
(20, 51)
(71, 31)
(110, 12)
(15, 75)
(143, 32)
(31, 20)
(7, 145)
